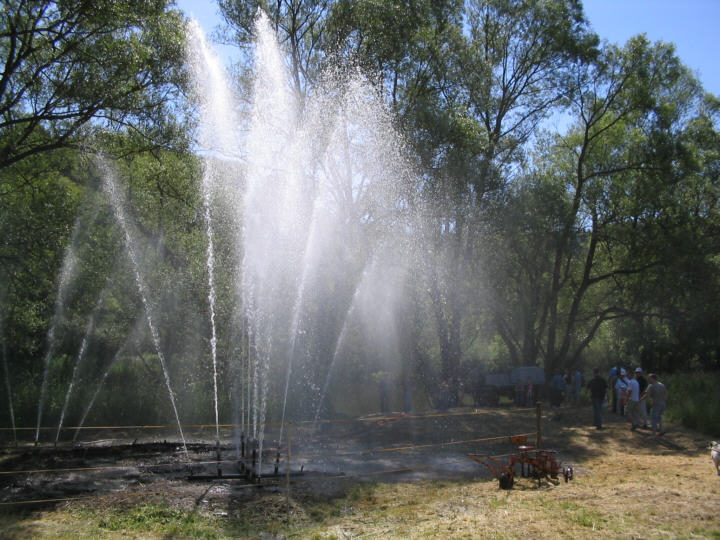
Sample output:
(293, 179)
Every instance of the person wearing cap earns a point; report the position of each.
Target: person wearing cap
(642, 382)
(620, 389)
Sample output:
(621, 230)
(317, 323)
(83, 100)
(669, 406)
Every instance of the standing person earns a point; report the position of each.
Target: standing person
(658, 393)
(614, 371)
(642, 382)
(598, 390)
(633, 401)
(619, 392)
(557, 387)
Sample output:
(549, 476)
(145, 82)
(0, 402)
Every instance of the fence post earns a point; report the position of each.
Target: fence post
(538, 415)
(287, 472)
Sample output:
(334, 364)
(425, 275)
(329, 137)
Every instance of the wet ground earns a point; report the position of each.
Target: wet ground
(324, 458)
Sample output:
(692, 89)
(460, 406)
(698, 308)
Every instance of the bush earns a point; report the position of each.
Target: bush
(694, 400)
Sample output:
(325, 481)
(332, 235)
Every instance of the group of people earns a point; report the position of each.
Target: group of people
(630, 394)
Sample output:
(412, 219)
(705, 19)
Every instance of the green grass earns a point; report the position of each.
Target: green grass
(160, 518)
(714, 534)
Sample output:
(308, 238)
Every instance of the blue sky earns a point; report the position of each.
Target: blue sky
(693, 25)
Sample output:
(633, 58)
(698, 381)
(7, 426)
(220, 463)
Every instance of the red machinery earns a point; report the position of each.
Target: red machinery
(535, 462)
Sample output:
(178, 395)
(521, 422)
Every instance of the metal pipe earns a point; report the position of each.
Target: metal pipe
(217, 454)
(538, 415)
(287, 472)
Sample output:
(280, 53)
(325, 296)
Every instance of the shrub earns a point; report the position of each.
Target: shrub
(694, 400)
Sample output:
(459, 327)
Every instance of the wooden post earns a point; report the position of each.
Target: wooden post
(287, 473)
(538, 415)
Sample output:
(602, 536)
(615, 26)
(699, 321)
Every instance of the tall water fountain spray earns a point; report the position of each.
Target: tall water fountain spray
(323, 187)
(306, 200)
(218, 141)
(67, 274)
(79, 359)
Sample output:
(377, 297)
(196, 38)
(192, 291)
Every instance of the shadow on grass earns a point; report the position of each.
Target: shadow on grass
(570, 434)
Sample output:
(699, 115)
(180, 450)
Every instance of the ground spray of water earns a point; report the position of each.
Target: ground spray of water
(67, 274)
(311, 253)
(78, 361)
(117, 201)
(140, 329)
(341, 339)
(95, 394)
(216, 140)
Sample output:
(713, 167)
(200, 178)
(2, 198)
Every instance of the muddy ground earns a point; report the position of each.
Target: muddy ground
(323, 458)
(422, 483)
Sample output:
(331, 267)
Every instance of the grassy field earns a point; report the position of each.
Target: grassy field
(627, 485)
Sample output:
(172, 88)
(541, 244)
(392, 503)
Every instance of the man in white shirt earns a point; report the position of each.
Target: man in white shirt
(620, 388)
(633, 401)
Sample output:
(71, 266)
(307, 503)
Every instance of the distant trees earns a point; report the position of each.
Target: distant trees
(595, 240)
(539, 239)
(74, 73)
(607, 198)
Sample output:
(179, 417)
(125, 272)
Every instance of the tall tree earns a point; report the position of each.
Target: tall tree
(70, 63)
(511, 74)
(682, 292)
(614, 180)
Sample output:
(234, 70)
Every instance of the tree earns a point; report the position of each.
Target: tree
(299, 25)
(72, 64)
(511, 73)
(682, 292)
(614, 180)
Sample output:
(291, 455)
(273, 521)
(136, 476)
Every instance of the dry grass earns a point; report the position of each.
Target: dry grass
(626, 486)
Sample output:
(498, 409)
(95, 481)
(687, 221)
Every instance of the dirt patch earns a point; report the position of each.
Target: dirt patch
(397, 478)
(324, 458)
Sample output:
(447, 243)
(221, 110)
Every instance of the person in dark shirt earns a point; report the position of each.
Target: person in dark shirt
(598, 389)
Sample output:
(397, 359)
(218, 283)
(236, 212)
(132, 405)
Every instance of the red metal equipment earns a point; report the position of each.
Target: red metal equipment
(540, 464)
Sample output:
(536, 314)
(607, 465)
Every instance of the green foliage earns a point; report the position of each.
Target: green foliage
(71, 63)
(556, 249)
(163, 519)
(694, 400)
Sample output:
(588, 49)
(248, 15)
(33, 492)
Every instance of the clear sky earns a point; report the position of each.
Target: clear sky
(693, 25)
